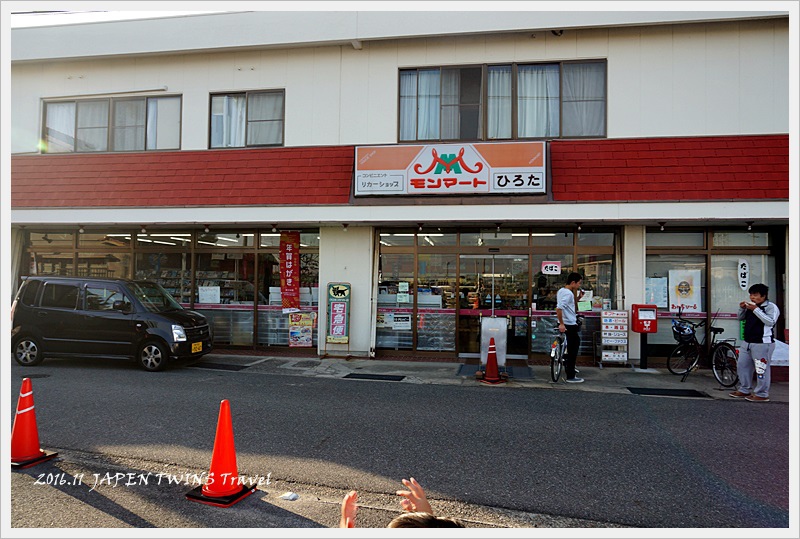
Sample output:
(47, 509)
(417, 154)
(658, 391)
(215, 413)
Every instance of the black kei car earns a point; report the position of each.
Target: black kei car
(109, 318)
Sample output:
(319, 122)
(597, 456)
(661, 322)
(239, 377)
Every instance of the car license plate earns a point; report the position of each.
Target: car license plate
(197, 347)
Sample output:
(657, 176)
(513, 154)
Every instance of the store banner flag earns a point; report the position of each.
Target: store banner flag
(684, 291)
(290, 271)
(338, 313)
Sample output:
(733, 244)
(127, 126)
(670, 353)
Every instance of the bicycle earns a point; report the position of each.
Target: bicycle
(685, 357)
(557, 350)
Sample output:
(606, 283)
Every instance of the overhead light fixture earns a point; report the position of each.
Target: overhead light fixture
(419, 226)
(206, 229)
(81, 230)
(662, 223)
(579, 226)
(143, 230)
(344, 227)
(750, 225)
(274, 227)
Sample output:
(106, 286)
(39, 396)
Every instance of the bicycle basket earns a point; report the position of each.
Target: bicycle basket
(683, 332)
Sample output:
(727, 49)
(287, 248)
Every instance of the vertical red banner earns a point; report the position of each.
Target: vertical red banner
(290, 271)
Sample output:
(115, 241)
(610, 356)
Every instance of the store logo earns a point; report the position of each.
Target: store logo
(447, 163)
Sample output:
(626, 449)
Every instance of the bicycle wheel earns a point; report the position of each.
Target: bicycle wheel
(682, 358)
(556, 359)
(723, 363)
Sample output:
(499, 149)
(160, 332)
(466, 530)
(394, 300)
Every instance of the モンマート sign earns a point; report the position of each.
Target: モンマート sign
(451, 169)
(338, 313)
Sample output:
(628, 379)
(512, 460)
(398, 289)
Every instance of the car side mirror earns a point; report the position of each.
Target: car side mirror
(122, 306)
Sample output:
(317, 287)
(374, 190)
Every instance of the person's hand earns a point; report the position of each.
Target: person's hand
(349, 509)
(581, 293)
(414, 499)
(562, 328)
(743, 304)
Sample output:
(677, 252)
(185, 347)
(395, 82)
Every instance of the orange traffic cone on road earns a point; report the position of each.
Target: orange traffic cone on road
(25, 450)
(491, 376)
(223, 487)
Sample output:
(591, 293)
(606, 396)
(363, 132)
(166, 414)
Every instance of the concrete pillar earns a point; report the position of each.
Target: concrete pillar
(633, 273)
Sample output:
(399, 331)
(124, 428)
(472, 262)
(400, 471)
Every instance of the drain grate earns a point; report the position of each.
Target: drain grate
(220, 366)
(661, 392)
(385, 377)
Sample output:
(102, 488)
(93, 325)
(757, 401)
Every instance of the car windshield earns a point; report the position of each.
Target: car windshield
(154, 297)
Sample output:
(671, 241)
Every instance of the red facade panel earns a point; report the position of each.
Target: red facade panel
(252, 177)
(678, 169)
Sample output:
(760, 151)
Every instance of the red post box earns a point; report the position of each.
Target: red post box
(643, 318)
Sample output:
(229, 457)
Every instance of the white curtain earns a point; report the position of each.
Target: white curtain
(428, 105)
(265, 118)
(164, 123)
(584, 100)
(499, 106)
(451, 90)
(60, 128)
(408, 105)
(228, 121)
(93, 126)
(129, 117)
(538, 100)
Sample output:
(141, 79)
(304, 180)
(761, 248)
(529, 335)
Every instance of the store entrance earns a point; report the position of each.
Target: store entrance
(493, 285)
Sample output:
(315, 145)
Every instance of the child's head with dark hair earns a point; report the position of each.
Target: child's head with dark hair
(574, 277)
(760, 289)
(424, 520)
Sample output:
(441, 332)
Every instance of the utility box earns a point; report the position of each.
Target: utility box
(643, 318)
(497, 329)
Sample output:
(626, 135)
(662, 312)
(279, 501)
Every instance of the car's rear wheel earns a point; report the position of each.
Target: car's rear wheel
(153, 356)
(28, 351)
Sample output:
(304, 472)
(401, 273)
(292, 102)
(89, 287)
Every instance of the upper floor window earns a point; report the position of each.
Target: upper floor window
(247, 119)
(566, 99)
(113, 124)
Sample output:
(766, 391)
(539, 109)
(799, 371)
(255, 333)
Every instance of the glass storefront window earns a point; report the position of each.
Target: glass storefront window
(169, 269)
(436, 302)
(659, 282)
(225, 239)
(396, 238)
(52, 264)
(164, 240)
(108, 265)
(550, 239)
(597, 271)
(545, 287)
(658, 238)
(395, 301)
(493, 237)
(104, 240)
(726, 293)
(435, 237)
(273, 239)
(48, 240)
(596, 239)
(741, 239)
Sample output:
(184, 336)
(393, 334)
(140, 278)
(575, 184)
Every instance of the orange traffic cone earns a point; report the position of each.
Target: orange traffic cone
(491, 376)
(25, 450)
(224, 487)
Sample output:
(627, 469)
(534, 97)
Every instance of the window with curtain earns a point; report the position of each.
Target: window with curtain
(247, 119)
(117, 125)
(548, 100)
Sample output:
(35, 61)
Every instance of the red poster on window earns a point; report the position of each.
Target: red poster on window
(290, 271)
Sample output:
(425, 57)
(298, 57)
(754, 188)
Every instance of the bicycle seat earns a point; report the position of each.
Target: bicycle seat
(717, 330)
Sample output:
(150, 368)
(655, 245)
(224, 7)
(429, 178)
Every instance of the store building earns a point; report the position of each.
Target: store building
(447, 166)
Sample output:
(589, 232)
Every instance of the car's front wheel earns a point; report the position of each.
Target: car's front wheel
(153, 356)
(28, 351)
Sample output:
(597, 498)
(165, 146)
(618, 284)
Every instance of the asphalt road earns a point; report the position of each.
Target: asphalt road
(495, 457)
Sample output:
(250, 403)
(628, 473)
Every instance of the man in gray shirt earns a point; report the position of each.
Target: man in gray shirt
(566, 303)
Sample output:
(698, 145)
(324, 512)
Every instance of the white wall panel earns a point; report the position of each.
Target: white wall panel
(355, 94)
(689, 101)
(656, 74)
(299, 98)
(624, 83)
(382, 106)
(722, 89)
(757, 69)
(592, 43)
(326, 104)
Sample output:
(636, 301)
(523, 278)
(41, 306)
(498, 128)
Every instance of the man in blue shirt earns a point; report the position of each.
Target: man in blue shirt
(566, 311)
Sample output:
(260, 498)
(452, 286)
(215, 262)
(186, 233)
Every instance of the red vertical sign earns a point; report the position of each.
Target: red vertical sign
(290, 271)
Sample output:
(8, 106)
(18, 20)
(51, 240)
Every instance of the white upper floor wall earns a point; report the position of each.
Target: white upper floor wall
(667, 74)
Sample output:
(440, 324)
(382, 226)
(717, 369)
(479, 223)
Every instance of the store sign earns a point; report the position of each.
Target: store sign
(743, 273)
(551, 268)
(301, 329)
(338, 313)
(451, 169)
(290, 271)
